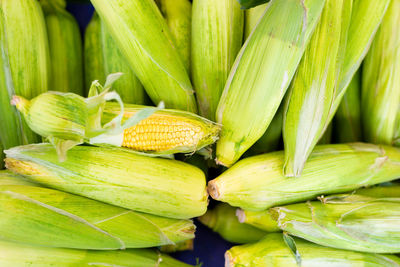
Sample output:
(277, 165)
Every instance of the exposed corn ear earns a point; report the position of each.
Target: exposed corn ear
(146, 42)
(217, 35)
(46, 217)
(128, 86)
(164, 132)
(392, 190)
(252, 17)
(312, 91)
(381, 81)
(257, 183)
(352, 222)
(275, 250)
(222, 219)
(361, 34)
(65, 46)
(93, 53)
(270, 140)
(251, 3)
(178, 14)
(25, 46)
(181, 246)
(19, 255)
(327, 137)
(347, 123)
(251, 98)
(154, 185)
(259, 219)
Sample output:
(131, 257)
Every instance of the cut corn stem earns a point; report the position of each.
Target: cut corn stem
(347, 123)
(274, 250)
(257, 183)
(147, 44)
(157, 186)
(217, 36)
(251, 98)
(353, 222)
(222, 219)
(381, 81)
(46, 217)
(259, 219)
(312, 91)
(18, 255)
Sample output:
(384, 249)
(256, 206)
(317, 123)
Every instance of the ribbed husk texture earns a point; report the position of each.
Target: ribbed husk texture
(222, 219)
(145, 40)
(251, 98)
(252, 17)
(45, 217)
(25, 62)
(273, 250)
(217, 35)
(312, 91)
(257, 183)
(352, 222)
(381, 81)
(153, 185)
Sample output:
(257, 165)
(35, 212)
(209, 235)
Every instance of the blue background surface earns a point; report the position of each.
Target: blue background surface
(209, 247)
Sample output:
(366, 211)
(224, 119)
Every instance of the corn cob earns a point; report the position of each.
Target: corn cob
(257, 183)
(45, 217)
(222, 219)
(153, 185)
(270, 140)
(178, 14)
(251, 98)
(93, 53)
(327, 137)
(25, 50)
(19, 255)
(252, 17)
(352, 222)
(65, 46)
(361, 34)
(348, 116)
(251, 3)
(146, 42)
(259, 219)
(313, 88)
(273, 250)
(181, 246)
(381, 81)
(217, 37)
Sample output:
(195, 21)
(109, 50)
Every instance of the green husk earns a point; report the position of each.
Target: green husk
(381, 81)
(178, 14)
(361, 34)
(1, 157)
(46, 217)
(251, 3)
(222, 219)
(181, 246)
(252, 17)
(153, 185)
(313, 88)
(353, 222)
(217, 36)
(257, 183)
(274, 250)
(327, 137)
(392, 190)
(347, 122)
(25, 63)
(65, 47)
(259, 219)
(270, 140)
(18, 255)
(251, 98)
(93, 53)
(146, 42)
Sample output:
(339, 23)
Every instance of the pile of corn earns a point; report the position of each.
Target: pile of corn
(109, 140)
